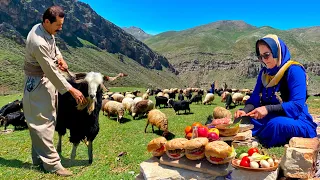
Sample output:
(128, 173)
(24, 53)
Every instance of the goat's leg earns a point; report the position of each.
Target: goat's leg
(59, 144)
(152, 129)
(89, 145)
(74, 151)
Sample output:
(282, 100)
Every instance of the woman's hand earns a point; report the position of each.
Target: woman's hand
(239, 113)
(258, 113)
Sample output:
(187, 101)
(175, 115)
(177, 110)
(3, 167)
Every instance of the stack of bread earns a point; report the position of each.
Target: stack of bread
(216, 152)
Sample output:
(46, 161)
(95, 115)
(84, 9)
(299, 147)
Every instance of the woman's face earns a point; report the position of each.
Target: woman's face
(266, 56)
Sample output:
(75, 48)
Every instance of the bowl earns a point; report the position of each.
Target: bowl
(226, 130)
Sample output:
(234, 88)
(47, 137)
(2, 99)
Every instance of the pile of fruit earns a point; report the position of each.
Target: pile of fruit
(253, 159)
(203, 131)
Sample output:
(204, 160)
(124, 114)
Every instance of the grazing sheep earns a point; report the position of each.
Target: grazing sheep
(114, 108)
(161, 100)
(158, 119)
(166, 91)
(104, 101)
(137, 99)
(145, 96)
(130, 96)
(237, 98)
(221, 112)
(142, 107)
(160, 94)
(245, 98)
(16, 119)
(166, 95)
(196, 98)
(180, 97)
(179, 105)
(208, 99)
(117, 97)
(127, 104)
(188, 94)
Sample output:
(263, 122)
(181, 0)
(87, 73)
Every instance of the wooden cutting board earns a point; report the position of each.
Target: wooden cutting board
(202, 165)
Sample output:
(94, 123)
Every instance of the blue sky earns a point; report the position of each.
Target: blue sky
(156, 16)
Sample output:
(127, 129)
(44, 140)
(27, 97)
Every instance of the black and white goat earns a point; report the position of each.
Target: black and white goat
(82, 121)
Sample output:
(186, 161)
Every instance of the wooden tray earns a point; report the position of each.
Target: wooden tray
(202, 165)
(233, 163)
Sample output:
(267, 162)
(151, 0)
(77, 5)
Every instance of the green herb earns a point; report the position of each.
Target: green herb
(235, 125)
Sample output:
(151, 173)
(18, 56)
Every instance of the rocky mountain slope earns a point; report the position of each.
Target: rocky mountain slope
(137, 32)
(88, 43)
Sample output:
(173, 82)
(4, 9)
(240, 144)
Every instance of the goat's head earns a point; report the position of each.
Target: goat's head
(93, 81)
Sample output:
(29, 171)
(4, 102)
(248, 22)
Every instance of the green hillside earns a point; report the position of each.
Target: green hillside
(85, 59)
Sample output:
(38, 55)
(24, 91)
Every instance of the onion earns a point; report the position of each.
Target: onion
(254, 164)
(238, 162)
(270, 161)
(264, 164)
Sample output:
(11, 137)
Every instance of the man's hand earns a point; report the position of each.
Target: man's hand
(107, 78)
(239, 113)
(62, 65)
(258, 113)
(77, 95)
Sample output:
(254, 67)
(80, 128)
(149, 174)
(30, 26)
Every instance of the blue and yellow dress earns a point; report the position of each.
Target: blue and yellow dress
(283, 90)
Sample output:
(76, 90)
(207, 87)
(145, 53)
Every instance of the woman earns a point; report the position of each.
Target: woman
(278, 118)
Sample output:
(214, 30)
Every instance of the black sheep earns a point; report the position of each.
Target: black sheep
(83, 126)
(196, 98)
(180, 97)
(11, 107)
(189, 94)
(161, 100)
(180, 105)
(16, 119)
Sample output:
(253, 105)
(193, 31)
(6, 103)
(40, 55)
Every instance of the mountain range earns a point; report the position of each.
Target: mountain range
(222, 51)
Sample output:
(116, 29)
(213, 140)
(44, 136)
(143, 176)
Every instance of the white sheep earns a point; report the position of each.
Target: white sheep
(237, 98)
(127, 104)
(209, 98)
(158, 119)
(130, 96)
(117, 97)
(245, 98)
(160, 94)
(145, 96)
(114, 108)
(166, 91)
(166, 95)
(137, 99)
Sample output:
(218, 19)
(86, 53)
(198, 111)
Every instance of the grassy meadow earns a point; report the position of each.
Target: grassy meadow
(113, 138)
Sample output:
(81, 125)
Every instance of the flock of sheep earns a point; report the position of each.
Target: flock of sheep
(138, 104)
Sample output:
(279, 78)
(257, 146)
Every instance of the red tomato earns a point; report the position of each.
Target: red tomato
(245, 158)
(252, 150)
(202, 132)
(245, 163)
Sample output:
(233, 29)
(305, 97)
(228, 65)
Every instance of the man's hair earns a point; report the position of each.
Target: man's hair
(52, 13)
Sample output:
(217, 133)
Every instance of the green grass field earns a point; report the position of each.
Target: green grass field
(113, 138)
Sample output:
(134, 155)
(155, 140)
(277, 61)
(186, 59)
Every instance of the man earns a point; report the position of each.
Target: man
(42, 60)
